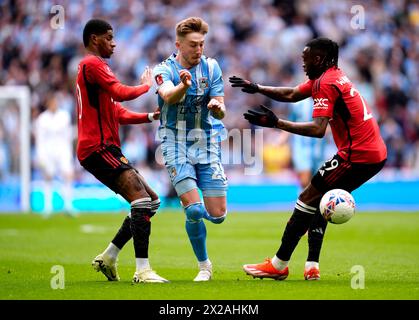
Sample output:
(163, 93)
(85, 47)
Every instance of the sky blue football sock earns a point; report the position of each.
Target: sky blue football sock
(197, 233)
(196, 230)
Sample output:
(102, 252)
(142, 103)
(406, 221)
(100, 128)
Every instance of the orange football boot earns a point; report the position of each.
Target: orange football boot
(312, 273)
(265, 270)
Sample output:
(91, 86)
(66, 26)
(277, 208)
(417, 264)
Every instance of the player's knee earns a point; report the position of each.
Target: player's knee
(195, 212)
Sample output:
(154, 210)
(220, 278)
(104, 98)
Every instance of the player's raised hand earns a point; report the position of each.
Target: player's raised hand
(246, 85)
(147, 77)
(185, 77)
(264, 118)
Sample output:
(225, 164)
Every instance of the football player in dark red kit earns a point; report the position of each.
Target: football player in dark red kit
(99, 115)
(361, 150)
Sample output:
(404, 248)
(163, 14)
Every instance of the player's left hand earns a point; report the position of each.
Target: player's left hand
(264, 118)
(216, 108)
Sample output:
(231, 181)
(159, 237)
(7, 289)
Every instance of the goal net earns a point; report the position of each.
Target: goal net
(15, 160)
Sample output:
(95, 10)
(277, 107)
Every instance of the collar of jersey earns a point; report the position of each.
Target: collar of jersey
(178, 65)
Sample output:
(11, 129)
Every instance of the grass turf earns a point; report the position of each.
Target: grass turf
(386, 245)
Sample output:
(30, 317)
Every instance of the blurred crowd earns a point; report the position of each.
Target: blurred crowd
(260, 40)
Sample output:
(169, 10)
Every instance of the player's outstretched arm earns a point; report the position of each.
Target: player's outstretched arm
(315, 128)
(104, 77)
(173, 94)
(265, 117)
(283, 94)
(126, 116)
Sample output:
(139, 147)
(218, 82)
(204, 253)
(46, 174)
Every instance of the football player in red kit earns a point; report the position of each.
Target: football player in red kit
(361, 150)
(99, 114)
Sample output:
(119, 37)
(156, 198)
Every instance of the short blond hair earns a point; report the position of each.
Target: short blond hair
(191, 24)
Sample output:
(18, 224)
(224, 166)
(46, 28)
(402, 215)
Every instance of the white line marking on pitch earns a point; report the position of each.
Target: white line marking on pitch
(90, 228)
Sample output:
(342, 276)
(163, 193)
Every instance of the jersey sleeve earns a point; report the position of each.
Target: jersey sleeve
(324, 100)
(126, 116)
(217, 83)
(162, 75)
(306, 87)
(101, 74)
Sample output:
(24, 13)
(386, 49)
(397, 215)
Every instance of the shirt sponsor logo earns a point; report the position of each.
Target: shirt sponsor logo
(320, 103)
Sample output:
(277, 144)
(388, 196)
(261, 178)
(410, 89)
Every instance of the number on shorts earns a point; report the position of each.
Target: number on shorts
(333, 165)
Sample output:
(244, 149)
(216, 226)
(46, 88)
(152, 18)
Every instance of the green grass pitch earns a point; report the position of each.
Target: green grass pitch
(386, 245)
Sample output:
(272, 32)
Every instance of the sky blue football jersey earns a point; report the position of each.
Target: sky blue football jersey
(189, 122)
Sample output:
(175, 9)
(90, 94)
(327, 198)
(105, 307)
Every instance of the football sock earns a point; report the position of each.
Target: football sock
(215, 220)
(204, 264)
(278, 263)
(155, 204)
(141, 226)
(315, 237)
(196, 230)
(296, 227)
(112, 251)
(142, 263)
(311, 264)
(124, 234)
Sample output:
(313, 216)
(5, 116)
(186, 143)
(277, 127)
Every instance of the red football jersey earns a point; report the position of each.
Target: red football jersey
(355, 131)
(98, 113)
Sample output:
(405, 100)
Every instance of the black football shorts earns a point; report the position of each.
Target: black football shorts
(106, 165)
(338, 173)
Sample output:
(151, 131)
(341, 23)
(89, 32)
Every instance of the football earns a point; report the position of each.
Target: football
(337, 206)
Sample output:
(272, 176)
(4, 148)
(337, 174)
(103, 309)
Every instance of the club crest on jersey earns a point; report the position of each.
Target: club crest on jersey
(124, 160)
(203, 82)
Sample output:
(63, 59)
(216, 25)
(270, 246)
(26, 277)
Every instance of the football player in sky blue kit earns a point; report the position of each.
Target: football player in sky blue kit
(191, 100)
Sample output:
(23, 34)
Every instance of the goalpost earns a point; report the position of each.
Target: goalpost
(15, 160)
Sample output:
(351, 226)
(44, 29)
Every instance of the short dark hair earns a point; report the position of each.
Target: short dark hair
(95, 26)
(328, 47)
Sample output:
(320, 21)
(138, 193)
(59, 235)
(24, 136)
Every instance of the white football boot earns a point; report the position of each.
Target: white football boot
(204, 274)
(108, 267)
(148, 276)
